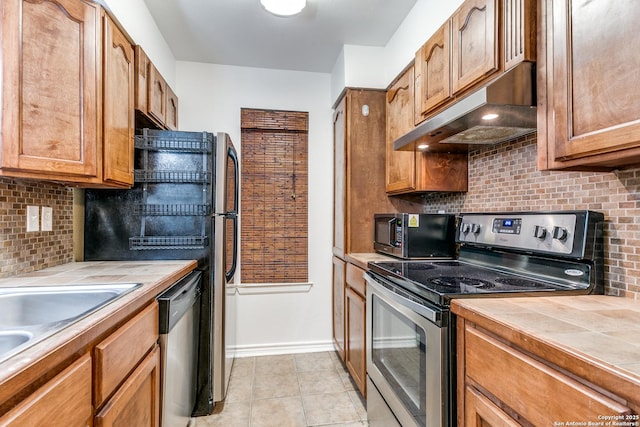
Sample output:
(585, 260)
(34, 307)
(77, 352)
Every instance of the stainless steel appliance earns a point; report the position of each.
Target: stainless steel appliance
(410, 331)
(183, 205)
(179, 308)
(409, 236)
(502, 110)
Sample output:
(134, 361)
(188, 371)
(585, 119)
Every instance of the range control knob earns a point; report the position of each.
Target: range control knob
(540, 232)
(465, 227)
(475, 228)
(559, 233)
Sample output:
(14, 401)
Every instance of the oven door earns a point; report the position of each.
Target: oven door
(406, 355)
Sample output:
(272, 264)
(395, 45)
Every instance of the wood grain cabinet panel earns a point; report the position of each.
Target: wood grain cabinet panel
(50, 98)
(157, 95)
(118, 355)
(118, 106)
(474, 46)
(338, 298)
(154, 98)
(587, 85)
(355, 322)
(400, 165)
(65, 401)
(432, 64)
(137, 402)
(519, 23)
(171, 119)
(520, 385)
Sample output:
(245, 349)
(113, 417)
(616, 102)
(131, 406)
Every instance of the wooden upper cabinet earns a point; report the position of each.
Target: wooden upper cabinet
(171, 116)
(475, 42)
(589, 100)
(157, 95)
(433, 72)
(50, 96)
(154, 98)
(118, 106)
(400, 165)
(519, 23)
(142, 78)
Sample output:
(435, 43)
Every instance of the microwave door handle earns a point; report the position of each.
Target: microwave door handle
(392, 232)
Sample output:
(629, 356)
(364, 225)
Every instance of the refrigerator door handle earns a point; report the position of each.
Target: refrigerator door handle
(234, 260)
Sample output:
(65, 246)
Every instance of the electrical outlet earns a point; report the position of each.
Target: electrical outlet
(33, 218)
(47, 218)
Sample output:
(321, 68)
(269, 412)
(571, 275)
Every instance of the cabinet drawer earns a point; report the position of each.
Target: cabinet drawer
(355, 279)
(525, 384)
(118, 355)
(63, 401)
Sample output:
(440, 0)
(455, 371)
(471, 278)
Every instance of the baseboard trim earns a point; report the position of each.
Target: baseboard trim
(283, 348)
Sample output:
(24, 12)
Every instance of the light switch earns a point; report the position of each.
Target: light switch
(47, 218)
(33, 218)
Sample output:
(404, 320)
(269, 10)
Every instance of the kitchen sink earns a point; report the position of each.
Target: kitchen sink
(29, 314)
(12, 339)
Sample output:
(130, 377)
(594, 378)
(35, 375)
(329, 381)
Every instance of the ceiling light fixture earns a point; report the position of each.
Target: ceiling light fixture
(284, 7)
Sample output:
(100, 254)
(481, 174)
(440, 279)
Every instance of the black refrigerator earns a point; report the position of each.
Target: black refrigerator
(183, 205)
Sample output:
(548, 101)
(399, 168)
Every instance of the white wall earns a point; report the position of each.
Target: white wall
(211, 96)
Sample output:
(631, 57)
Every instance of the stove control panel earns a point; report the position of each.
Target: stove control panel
(552, 233)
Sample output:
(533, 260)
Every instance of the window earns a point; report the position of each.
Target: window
(274, 196)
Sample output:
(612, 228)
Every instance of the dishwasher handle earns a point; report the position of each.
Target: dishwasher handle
(177, 300)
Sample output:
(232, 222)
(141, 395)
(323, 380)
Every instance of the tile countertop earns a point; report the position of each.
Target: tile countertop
(596, 337)
(362, 259)
(21, 370)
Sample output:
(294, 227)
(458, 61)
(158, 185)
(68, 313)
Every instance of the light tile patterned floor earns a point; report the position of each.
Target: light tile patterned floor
(295, 390)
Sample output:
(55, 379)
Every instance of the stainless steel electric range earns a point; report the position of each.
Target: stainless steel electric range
(410, 331)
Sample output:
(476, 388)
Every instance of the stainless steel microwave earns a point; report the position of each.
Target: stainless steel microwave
(409, 236)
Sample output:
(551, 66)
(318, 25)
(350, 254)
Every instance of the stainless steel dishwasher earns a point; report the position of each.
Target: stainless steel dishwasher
(179, 329)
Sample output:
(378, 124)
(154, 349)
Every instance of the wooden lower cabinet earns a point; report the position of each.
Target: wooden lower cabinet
(65, 401)
(482, 412)
(137, 401)
(501, 385)
(338, 305)
(355, 322)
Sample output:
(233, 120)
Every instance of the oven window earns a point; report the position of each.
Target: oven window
(398, 349)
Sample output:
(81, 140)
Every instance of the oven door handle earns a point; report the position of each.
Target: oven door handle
(434, 316)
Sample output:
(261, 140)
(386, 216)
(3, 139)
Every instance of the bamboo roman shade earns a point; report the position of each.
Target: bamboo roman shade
(274, 196)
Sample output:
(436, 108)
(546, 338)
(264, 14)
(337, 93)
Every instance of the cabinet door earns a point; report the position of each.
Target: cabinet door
(355, 355)
(400, 165)
(118, 106)
(432, 68)
(474, 44)
(50, 69)
(142, 80)
(157, 95)
(482, 412)
(65, 401)
(592, 67)
(339, 177)
(338, 305)
(172, 110)
(137, 401)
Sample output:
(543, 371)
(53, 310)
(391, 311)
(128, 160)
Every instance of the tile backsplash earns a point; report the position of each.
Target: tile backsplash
(504, 177)
(24, 252)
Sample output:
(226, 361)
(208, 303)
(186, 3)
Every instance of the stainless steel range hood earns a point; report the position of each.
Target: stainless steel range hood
(510, 99)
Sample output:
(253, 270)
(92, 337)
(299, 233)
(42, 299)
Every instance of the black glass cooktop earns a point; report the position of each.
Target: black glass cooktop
(439, 281)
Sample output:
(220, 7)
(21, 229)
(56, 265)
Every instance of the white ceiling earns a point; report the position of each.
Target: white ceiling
(241, 32)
